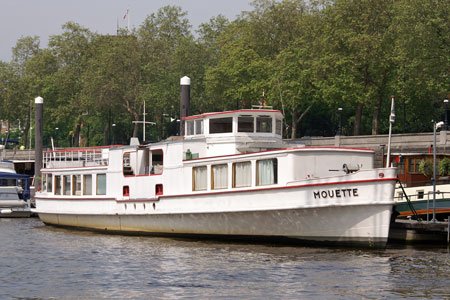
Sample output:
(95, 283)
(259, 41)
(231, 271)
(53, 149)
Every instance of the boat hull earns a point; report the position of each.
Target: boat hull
(353, 225)
(15, 212)
(424, 206)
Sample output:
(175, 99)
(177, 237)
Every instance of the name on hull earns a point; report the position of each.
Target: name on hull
(338, 193)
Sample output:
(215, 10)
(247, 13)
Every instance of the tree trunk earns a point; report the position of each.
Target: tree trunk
(76, 136)
(294, 124)
(106, 134)
(376, 117)
(358, 116)
(26, 131)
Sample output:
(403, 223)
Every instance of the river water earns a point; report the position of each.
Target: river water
(43, 262)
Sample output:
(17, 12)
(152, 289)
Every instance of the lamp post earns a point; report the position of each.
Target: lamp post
(56, 136)
(114, 133)
(446, 113)
(340, 121)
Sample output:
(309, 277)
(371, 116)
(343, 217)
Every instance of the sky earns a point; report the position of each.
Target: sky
(44, 18)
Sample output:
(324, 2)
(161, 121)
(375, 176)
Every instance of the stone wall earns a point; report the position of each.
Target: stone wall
(405, 143)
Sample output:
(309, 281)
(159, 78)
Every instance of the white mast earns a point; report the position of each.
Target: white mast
(143, 124)
(391, 121)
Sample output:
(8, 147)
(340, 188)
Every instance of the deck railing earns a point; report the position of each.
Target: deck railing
(77, 157)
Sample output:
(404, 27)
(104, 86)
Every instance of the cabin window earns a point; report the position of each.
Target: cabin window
(198, 127)
(76, 187)
(263, 124)
(66, 185)
(44, 182)
(57, 185)
(101, 184)
(266, 171)
(49, 183)
(159, 190)
(219, 177)
(420, 194)
(278, 127)
(126, 191)
(157, 162)
(411, 165)
(190, 127)
(242, 174)
(221, 125)
(246, 124)
(199, 178)
(87, 186)
(127, 168)
(7, 182)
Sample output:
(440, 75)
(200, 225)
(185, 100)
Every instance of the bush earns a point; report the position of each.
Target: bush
(444, 167)
(426, 167)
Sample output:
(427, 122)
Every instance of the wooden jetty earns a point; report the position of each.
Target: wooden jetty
(417, 231)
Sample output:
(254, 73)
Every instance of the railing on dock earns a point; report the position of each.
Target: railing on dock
(77, 157)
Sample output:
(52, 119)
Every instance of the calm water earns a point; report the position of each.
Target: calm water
(42, 262)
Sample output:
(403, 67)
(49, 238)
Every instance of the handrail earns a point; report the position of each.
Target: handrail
(413, 210)
(76, 157)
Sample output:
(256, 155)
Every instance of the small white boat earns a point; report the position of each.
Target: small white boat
(230, 175)
(422, 202)
(14, 192)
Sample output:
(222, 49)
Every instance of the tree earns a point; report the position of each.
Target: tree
(72, 50)
(112, 81)
(358, 51)
(422, 63)
(165, 41)
(24, 85)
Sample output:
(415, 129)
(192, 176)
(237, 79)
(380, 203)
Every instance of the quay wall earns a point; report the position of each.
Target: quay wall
(405, 143)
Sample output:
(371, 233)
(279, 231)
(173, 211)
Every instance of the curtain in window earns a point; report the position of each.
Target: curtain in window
(200, 178)
(66, 180)
(220, 175)
(265, 172)
(49, 183)
(242, 174)
(58, 185)
(87, 190)
(101, 184)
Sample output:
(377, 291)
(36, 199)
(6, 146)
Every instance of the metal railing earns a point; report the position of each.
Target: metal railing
(79, 157)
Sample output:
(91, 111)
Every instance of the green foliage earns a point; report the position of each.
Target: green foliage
(444, 167)
(306, 57)
(426, 167)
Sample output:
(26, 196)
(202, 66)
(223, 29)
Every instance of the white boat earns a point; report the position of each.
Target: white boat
(230, 175)
(422, 202)
(14, 192)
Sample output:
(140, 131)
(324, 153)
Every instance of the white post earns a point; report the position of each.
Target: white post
(391, 121)
(143, 125)
(434, 172)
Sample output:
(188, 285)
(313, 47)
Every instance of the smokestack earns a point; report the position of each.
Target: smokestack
(38, 122)
(185, 99)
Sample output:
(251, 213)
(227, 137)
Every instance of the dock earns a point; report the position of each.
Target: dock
(417, 231)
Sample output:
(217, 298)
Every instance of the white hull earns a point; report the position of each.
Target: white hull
(344, 225)
(290, 212)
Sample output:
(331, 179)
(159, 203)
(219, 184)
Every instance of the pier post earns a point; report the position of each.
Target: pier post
(185, 97)
(38, 125)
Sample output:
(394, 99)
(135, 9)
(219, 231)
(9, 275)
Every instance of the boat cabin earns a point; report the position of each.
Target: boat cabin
(408, 168)
(226, 151)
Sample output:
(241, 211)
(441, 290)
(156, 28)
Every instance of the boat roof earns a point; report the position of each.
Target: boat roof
(4, 175)
(246, 111)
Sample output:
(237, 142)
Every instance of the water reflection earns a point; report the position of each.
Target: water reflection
(45, 262)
